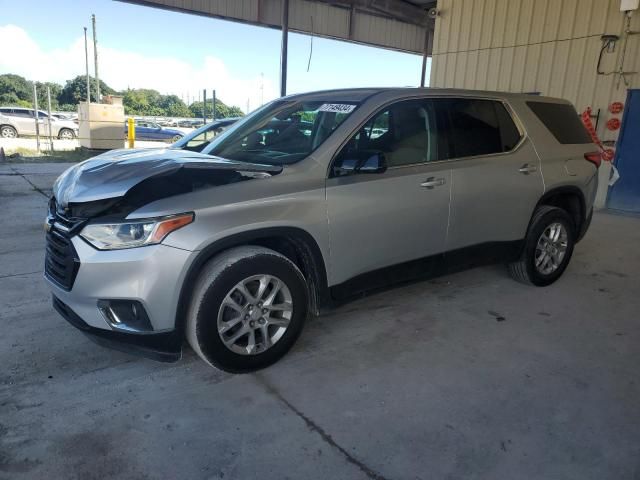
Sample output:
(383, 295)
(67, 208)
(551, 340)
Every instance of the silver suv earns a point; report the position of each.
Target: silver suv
(309, 201)
(20, 121)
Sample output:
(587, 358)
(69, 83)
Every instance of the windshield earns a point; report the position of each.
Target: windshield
(282, 132)
(197, 140)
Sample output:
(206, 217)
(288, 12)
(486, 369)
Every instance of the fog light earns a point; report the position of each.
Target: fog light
(127, 315)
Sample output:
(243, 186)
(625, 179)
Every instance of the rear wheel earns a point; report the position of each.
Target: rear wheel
(7, 131)
(175, 138)
(548, 247)
(248, 309)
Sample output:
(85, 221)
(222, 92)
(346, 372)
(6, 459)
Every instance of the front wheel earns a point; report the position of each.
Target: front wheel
(66, 134)
(248, 308)
(175, 138)
(548, 247)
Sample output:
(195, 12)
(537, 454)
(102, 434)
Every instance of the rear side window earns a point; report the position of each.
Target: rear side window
(476, 127)
(22, 112)
(562, 120)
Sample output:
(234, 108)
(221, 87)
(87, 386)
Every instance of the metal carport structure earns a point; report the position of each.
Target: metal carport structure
(400, 25)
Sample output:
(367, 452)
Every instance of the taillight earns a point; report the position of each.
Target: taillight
(594, 157)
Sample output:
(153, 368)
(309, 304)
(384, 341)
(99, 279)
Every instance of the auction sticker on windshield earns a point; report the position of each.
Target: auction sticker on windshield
(337, 107)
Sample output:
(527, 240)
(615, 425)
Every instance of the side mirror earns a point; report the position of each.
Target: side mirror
(367, 161)
(376, 163)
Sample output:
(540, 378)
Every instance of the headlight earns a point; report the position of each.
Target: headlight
(134, 233)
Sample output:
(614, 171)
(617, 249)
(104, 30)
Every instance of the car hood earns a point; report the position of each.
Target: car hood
(66, 123)
(114, 173)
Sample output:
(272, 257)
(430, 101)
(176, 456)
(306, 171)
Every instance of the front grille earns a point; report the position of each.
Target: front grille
(61, 259)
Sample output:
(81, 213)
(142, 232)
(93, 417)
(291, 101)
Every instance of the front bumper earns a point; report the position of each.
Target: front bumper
(163, 347)
(151, 275)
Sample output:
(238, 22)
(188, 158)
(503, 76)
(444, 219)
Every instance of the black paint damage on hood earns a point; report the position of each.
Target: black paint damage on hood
(120, 181)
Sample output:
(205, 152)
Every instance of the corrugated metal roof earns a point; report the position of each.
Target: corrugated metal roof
(392, 24)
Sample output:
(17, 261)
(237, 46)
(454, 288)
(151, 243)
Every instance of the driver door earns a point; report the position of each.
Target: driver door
(394, 214)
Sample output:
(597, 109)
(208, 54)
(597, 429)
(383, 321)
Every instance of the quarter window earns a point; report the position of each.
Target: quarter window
(562, 120)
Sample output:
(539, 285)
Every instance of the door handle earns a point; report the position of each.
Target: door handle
(432, 182)
(526, 169)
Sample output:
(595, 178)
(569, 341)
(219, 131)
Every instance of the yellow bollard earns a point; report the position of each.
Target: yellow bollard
(131, 132)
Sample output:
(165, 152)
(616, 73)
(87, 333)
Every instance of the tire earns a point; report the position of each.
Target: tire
(175, 138)
(66, 134)
(7, 131)
(218, 282)
(540, 267)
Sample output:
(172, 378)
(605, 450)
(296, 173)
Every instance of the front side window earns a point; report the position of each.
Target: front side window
(282, 132)
(403, 134)
(476, 127)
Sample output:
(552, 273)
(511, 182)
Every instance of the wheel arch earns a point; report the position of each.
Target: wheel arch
(294, 243)
(10, 126)
(571, 199)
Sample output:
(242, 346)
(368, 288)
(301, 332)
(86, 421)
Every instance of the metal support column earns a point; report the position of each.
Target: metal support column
(424, 57)
(284, 48)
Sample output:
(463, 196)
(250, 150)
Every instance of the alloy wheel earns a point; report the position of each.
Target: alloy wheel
(255, 314)
(8, 132)
(551, 248)
(66, 135)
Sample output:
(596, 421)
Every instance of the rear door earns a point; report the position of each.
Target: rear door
(24, 121)
(382, 218)
(496, 178)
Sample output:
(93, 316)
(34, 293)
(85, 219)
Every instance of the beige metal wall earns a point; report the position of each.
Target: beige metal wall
(546, 46)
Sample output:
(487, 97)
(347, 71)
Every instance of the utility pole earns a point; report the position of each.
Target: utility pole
(204, 105)
(35, 107)
(261, 88)
(49, 119)
(213, 110)
(248, 105)
(86, 64)
(95, 57)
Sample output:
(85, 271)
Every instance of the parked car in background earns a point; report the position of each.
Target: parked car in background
(73, 117)
(20, 121)
(310, 200)
(146, 130)
(197, 140)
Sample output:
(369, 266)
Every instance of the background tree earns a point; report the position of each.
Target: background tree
(15, 90)
(55, 89)
(222, 110)
(75, 90)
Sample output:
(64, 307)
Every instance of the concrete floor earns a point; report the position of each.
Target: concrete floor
(468, 376)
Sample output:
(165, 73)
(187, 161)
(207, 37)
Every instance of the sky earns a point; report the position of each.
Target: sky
(142, 47)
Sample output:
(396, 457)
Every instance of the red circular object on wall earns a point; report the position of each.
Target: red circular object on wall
(613, 124)
(608, 154)
(616, 107)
